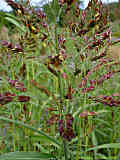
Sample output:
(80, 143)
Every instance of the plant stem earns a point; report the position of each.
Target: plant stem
(65, 149)
(56, 32)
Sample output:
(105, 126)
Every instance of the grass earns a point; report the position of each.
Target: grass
(59, 89)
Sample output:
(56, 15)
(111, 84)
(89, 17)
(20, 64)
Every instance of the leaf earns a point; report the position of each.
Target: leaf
(111, 145)
(94, 141)
(17, 24)
(26, 156)
(42, 139)
(86, 158)
(101, 156)
(11, 16)
(53, 140)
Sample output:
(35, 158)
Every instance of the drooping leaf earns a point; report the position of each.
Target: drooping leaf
(26, 156)
(53, 140)
(111, 145)
(17, 24)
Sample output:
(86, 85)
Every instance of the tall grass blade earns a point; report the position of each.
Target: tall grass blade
(26, 156)
(31, 128)
(17, 24)
(111, 145)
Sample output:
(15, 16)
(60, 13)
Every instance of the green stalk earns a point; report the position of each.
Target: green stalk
(60, 82)
(28, 75)
(59, 75)
(56, 32)
(14, 139)
(65, 149)
(79, 141)
(33, 72)
(56, 39)
(61, 92)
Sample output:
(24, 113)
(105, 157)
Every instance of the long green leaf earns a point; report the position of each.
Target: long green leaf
(111, 145)
(17, 24)
(26, 156)
(31, 128)
(11, 16)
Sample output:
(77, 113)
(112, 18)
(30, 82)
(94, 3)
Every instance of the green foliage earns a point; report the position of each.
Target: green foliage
(26, 155)
(12, 19)
(52, 8)
(3, 21)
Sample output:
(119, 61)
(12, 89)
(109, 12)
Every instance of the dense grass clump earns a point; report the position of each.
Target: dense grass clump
(59, 88)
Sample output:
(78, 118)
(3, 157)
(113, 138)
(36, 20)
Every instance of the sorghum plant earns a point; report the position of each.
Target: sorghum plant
(59, 79)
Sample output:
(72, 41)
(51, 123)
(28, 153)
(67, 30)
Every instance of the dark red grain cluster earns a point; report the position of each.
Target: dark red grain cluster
(8, 97)
(14, 48)
(18, 85)
(65, 128)
(106, 100)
